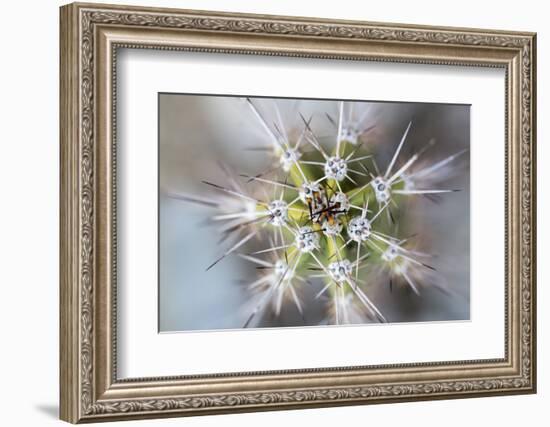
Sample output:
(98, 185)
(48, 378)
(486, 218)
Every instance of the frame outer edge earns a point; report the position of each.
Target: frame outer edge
(68, 226)
(534, 270)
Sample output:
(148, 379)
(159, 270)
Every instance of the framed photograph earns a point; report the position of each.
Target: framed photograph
(266, 212)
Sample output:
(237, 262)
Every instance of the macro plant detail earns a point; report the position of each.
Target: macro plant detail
(329, 213)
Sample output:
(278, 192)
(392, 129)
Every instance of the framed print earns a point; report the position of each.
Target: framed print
(265, 212)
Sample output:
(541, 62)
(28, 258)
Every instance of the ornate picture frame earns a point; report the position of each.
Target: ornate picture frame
(90, 37)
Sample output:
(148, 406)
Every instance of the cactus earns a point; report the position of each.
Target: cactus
(326, 211)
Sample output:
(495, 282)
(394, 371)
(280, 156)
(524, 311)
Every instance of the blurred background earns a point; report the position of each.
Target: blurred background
(197, 132)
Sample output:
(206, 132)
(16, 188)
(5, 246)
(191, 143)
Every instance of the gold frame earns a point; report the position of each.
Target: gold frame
(90, 36)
